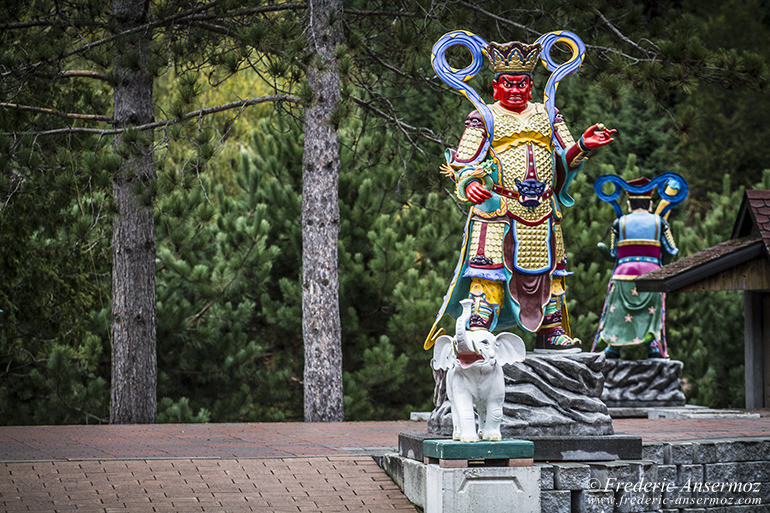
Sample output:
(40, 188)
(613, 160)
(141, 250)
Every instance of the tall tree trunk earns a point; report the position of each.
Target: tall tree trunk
(321, 221)
(134, 359)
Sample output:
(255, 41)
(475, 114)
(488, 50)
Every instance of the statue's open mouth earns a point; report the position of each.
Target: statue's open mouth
(530, 192)
(468, 359)
(477, 321)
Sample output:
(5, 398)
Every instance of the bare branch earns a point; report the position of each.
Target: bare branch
(28, 24)
(453, 197)
(49, 23)
(246, 12)
(379, 13)
(501, 19)
(161, 124)
(227, 106)
(620, 34)
(83, 73)
(52, 112)
(385, 64)
(213, 28)
(425, 133)
(602, 49)
(606, 49)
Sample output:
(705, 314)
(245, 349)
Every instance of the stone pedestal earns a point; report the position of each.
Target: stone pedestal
(487, 489)
(545, 395)
(642, 383)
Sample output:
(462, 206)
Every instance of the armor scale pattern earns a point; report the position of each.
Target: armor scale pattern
(514, 161)
(563, 132)
(542, 211)
(532, 254)
(559, 239)
(507, 124)
(470, 141)
(493, 242)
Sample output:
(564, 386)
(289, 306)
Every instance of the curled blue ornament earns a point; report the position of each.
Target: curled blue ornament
(457, 78)
(673, 180)
(558, 71)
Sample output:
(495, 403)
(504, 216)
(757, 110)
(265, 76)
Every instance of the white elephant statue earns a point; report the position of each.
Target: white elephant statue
(474, 360)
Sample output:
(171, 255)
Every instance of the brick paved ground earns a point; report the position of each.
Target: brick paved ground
(258, 440)
(659, 430)
(200, 467)
(333, 483)
(239, 467)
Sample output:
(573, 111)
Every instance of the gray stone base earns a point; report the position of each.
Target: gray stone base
(549, 448)
(465, 490)
(642, 383)
(408, 474)
(639, 412)
(587, 448)
(699, 413)
(487, 489)
(545, 395)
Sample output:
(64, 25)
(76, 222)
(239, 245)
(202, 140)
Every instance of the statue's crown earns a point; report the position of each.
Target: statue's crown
(513, 57)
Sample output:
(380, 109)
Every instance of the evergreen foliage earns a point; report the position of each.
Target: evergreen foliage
(228, 287)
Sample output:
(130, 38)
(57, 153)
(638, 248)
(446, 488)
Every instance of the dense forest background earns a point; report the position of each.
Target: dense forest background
(684, 82)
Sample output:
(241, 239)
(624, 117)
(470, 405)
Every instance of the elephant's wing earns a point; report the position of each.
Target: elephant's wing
(509, 348)
(443, 353)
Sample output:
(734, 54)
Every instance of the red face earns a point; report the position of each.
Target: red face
(513, 91)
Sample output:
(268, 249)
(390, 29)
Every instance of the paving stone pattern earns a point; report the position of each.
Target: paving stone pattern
(321, 484)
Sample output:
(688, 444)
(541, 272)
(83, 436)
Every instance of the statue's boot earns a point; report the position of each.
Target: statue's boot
(487, 296)
(552, 337)
(657, 350)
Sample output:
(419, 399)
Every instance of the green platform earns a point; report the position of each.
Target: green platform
(501, 449)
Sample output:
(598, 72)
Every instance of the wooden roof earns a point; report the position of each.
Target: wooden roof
(754, 216)
(741, 263)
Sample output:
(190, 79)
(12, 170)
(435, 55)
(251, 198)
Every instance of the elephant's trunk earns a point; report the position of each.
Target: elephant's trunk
(463, 344)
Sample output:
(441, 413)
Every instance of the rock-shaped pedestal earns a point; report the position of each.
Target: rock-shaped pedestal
(545, 395)
(642, 383)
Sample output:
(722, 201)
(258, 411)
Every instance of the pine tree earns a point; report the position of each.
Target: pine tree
(134, 354)
(321, 218)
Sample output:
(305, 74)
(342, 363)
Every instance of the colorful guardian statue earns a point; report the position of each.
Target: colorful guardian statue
(638, 240)
(513, 165)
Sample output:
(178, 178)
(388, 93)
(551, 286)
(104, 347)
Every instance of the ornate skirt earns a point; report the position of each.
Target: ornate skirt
(629, 315)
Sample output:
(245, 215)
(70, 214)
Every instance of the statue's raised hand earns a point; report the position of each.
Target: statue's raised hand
(597, 135)
(476, 192)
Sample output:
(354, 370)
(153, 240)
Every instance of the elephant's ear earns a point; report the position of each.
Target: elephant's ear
(443, 353)
(509, 348)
